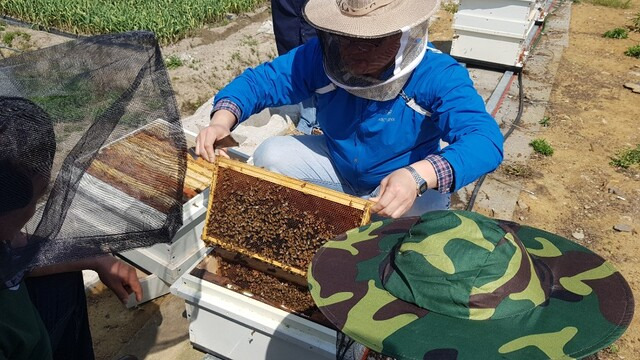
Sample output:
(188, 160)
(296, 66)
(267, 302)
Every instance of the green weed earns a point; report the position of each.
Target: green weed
(617, 33)
(612, 349)
(249, 41)
(633, 51)
(451, 7)
(173, 62)
(626, 158)
(517, 170)
(545, 121)
(618, 4)
(71, 104)
(541, 146)
(10, 36)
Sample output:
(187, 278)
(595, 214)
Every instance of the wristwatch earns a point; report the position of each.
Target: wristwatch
(421, 184)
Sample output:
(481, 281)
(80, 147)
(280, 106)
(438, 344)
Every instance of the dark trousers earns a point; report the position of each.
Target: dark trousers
(291, 30)
(62, 304)
(289, 26)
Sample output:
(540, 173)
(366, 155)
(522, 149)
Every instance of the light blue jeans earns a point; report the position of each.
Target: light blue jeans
(306, 157)
(307, 121)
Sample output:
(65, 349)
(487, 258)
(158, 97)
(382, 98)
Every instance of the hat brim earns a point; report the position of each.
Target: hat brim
(389, 19)
(345, 284)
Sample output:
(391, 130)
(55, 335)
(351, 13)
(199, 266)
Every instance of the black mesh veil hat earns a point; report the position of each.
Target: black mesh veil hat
(412, 46)
(354, 32)
(61, 108)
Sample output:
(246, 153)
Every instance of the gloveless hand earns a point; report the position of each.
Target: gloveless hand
(220, 127)
(398, 191)
(118, 276)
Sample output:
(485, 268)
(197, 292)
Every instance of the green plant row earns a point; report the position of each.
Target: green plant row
(170, 20)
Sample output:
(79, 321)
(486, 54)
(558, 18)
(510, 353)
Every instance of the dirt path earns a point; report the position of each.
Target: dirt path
(217, 54)
(578, 193)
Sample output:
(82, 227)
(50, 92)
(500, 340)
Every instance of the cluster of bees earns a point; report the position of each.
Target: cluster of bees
(268, 288)
(266, 219)
(279, 224)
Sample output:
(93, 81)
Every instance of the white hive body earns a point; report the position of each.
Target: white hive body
(495, 31)
(163, 263)
(233, 325)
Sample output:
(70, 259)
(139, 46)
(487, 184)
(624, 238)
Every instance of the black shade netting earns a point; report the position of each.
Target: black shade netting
(70, 118)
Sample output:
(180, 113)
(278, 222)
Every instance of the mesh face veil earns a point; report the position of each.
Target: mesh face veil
(60, 109)
(374, 68)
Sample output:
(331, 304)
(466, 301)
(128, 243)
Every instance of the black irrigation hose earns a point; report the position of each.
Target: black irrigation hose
(514, 124)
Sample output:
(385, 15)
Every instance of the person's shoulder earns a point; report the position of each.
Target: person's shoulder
(307, 51)
(436, 71)
(437, 59)
(312, 45)
(438, 64)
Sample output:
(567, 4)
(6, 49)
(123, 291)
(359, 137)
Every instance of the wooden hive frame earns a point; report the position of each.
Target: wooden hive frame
(284, 181)
(198, 173)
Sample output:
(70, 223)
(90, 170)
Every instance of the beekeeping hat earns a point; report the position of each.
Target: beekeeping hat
(392, 31)
(458, 285)
(60, 109)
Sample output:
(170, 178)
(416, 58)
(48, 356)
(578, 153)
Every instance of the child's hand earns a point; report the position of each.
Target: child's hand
(118, 276)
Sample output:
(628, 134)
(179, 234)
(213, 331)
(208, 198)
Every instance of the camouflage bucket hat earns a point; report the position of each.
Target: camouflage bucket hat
(458, 285)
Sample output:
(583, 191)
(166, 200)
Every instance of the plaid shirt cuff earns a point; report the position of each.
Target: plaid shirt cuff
(444, 172)
(228, 105)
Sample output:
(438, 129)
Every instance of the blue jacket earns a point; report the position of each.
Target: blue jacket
(370, 139)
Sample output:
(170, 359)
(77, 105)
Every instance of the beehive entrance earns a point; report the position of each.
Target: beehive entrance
(276, 219)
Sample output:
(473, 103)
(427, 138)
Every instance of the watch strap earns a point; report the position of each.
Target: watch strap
(421, 183)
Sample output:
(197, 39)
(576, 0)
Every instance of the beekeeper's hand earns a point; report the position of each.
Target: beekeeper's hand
(398, 190)
(220, 126)
(118, 276)
(397, 194)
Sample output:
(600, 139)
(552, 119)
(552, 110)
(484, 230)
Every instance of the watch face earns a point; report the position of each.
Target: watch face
(423, 187)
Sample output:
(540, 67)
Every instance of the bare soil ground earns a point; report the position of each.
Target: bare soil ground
(578, 193)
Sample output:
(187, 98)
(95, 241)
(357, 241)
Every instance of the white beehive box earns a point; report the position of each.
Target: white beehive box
(234, 326)
(166, 262)
(494, 31)
(160, 264)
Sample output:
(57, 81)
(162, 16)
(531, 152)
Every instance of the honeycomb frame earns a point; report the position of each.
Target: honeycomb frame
(295, 187)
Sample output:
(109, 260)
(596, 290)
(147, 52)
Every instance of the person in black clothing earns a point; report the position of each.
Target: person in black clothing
(292, 30)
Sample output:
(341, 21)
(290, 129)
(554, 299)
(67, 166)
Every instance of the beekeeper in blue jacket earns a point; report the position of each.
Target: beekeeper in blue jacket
(385, 100)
